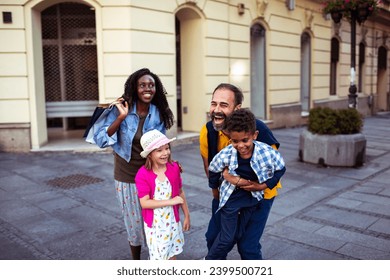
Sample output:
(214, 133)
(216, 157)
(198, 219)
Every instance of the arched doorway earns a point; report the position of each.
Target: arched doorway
(305, 72)
(382, 80)
(69, 64)
(189, 69)
(258, 71)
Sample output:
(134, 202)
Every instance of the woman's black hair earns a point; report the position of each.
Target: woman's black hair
(159, 99)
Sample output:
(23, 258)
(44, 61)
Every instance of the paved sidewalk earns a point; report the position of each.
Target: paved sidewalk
(61, 205)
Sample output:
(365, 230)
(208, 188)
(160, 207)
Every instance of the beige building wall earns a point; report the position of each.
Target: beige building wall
(14, 97)
(215, 47)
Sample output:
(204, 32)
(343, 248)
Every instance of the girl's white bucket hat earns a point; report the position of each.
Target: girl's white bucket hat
(152, 140)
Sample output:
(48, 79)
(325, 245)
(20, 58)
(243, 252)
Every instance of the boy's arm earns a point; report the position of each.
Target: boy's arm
(272, 182)
(215, 168)
(232, 179)
(279, 171)
(214, 179)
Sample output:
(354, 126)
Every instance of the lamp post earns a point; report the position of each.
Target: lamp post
(358, 14)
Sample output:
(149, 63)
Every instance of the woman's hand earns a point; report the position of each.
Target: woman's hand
(123, 108)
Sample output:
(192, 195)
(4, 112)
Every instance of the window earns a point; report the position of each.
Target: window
(362, 54)
(334, 59)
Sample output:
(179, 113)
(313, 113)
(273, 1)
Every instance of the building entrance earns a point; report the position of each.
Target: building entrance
(70, 64)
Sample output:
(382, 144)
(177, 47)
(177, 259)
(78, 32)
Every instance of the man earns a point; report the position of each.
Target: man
(227, 98)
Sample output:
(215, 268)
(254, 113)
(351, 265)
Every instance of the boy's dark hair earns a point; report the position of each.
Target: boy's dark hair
(159, 99)
(238, 96)
(241, 120)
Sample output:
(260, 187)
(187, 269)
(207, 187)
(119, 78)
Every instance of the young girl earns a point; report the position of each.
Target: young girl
(161, 195)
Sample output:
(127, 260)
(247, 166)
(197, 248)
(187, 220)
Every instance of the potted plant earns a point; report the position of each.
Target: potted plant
(361, 9)
(333, 138)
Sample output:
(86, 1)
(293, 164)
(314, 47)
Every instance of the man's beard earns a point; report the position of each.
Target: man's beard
(218, 127)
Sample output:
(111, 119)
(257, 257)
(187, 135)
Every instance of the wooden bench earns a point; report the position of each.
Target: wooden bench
(69, 109)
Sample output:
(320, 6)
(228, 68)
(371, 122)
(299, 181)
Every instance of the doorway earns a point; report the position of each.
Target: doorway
(189, 69)
(382, 81)
(70, 64)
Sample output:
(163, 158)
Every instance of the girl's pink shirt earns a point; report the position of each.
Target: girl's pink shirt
(145, 181)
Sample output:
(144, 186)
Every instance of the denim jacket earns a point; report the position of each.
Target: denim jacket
(121, 141)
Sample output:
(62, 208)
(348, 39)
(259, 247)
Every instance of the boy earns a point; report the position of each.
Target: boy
(249, 160)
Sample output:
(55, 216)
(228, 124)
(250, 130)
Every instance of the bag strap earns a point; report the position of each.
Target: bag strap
(108, 105)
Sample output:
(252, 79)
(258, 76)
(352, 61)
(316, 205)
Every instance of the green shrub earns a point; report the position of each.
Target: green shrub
(324, 120)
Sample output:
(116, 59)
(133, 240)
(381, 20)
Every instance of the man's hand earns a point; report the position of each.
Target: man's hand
(251, 186)
(215, 193)
(244, 184)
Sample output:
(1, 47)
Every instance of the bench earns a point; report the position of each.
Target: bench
(69, 109)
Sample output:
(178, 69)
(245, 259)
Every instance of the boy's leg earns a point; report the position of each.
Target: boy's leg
(249, 245)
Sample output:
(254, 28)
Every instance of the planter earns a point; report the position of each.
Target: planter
(345, 150)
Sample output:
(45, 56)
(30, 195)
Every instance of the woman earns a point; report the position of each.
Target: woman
(142, 107)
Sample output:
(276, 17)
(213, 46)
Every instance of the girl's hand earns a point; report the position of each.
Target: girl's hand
(186, 224)
(177, 200)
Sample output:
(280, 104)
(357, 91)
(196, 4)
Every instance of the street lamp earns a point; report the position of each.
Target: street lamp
(355, 14)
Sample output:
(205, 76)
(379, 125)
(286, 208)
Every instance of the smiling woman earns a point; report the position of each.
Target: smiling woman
(142, 107)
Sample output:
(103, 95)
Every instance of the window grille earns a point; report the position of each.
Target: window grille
(69, 53)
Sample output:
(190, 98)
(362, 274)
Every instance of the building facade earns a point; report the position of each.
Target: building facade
(59, 59)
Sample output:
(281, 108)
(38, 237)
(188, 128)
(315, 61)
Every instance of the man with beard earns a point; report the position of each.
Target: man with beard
(225, 99)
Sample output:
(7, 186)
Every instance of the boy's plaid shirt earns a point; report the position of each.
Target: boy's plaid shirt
(265, 160)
